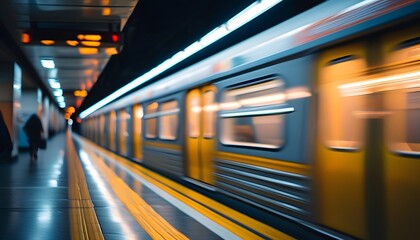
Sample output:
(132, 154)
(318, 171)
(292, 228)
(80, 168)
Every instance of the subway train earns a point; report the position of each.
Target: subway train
(316, 120)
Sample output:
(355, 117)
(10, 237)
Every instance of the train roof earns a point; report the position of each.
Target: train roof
(326, 23)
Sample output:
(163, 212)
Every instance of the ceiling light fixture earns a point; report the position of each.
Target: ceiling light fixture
(72, 43)
(25, 38)
(48, 63)
(60, 99)
(48, 42)
(62, 104)
(89, 37)
(58, 92)
(111, 51)
(240, 19)
(55, 85)
(88, 51)
(80, 93)
(91, 43)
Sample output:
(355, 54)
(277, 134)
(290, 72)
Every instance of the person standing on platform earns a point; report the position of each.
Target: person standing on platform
(33, 129)
(6, 144)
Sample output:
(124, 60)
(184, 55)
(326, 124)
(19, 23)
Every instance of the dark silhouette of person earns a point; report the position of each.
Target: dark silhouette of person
(33, 129)
(6, 144)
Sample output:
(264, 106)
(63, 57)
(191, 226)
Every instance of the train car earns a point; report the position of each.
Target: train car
(315, 120)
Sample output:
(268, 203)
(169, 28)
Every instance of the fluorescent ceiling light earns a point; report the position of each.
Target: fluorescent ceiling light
(58, 92)
(55, 85)
(52, 73)
(47, 63)
(60, 99)
(248, 14)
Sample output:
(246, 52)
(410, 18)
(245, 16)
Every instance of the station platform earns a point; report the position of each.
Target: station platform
(77, 190)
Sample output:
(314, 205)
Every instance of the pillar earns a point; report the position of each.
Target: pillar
(10, 95)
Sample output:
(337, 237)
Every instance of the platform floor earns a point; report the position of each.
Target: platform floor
(76, 190)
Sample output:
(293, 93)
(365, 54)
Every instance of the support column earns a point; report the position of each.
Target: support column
(10, 95)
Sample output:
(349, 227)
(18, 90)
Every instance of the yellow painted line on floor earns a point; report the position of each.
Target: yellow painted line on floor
(83, 221)
(201, 203)
(154, 224)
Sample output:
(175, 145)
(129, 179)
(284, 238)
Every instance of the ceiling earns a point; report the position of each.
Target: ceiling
(149, 31)
(60, 19)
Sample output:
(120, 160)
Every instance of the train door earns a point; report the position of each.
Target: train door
(200, 132)
(341, 153)
(368, 144)
(400, 83)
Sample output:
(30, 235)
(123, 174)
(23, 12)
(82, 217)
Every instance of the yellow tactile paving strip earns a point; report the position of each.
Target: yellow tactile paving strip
(83, 221)
(155, 225)
(200, 203)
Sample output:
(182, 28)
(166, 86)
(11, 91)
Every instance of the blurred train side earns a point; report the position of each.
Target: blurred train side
(315, 120)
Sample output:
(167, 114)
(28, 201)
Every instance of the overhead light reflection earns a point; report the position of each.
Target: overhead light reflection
(104, 189)
(399, 81)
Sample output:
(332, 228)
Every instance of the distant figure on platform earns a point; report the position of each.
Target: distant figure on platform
(6, 144)
(33, 129)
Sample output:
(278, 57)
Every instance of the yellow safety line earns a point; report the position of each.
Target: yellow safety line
(155, 225)
(83, 221)
(201, 203)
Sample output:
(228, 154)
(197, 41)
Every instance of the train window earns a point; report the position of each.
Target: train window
(106, 130)
(413, 118)
(262, 94)
(194, 111)
(101, 129)
(137, 117)
(253, 115)
(209, 114)
(341, 104)
(122, 130)
(112, 129)
(151, 120)
(403, 124)
(403, 96)
(168, 120)
(405, 51)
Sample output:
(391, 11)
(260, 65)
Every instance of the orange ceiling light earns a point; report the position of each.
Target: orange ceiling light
(91, 43)
(71, 109)
(25, 38)
(48, 42)
(88, 51)
(80, 93)
(89, 37)
(106, 12)
(72, 43)
(111, 51)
